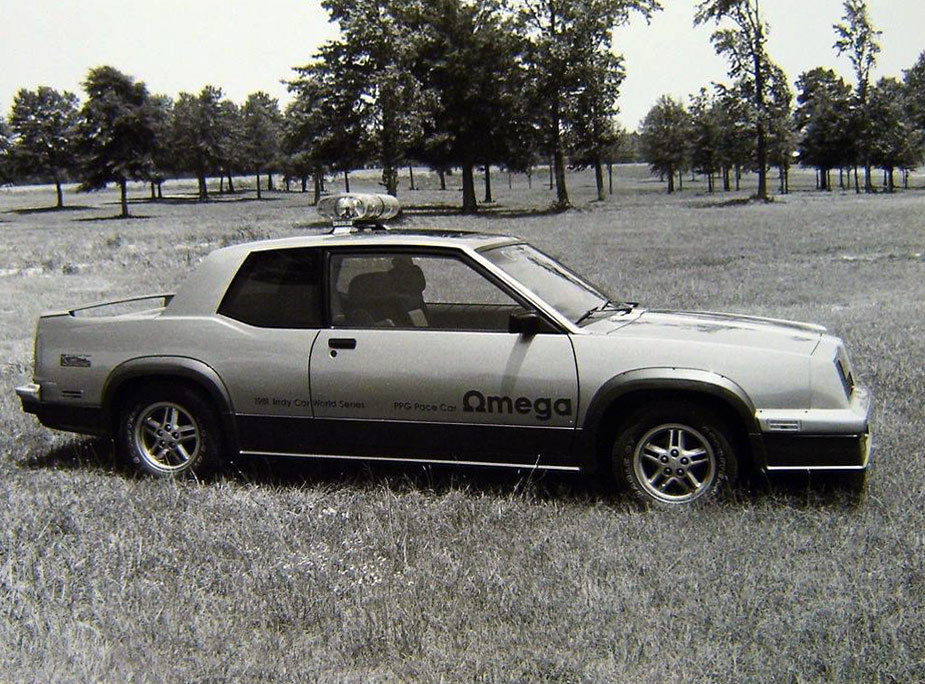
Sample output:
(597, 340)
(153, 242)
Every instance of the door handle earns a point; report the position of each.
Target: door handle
(342, 343)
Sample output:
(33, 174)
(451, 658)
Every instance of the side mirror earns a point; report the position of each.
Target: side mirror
(528, 323)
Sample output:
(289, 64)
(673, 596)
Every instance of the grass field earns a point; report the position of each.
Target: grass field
(352, 573)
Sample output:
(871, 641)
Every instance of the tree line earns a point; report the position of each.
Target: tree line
(467, 84)
(753, 123)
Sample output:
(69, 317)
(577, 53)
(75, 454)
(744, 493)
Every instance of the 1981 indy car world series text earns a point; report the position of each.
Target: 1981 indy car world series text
(444, 347)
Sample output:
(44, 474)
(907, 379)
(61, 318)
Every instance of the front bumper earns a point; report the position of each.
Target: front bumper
(818, 439)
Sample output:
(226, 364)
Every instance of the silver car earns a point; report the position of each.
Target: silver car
(444, 347)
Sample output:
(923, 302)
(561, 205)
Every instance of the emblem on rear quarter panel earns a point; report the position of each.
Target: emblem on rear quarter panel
(75, 361)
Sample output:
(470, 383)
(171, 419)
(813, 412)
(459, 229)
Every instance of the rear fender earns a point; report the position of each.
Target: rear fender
(166, 368)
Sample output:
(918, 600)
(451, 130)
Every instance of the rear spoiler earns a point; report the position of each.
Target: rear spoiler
(165, 296)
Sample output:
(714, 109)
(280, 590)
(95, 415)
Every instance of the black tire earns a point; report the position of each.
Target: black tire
(673, 453)
(170, 431)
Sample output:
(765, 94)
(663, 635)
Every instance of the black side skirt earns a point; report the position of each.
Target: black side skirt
(396, 440)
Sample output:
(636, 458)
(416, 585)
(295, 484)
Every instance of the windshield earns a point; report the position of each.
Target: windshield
(549, 280)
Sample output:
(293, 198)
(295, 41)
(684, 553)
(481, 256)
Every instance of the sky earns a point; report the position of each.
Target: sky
(248, 45)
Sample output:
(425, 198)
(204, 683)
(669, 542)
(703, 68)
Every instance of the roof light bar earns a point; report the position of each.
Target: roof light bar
(350, 208)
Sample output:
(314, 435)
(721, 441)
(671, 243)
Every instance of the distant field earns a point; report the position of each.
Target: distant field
(297, 572)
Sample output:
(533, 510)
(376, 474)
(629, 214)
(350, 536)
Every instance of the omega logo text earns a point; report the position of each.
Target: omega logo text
(544, 407)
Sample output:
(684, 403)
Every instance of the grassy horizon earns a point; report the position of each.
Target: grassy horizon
(297, 571)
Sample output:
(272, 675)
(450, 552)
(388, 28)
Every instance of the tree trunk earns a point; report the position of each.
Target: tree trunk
(390, 180)
(346, 180)
(889, 185)
(203, 188)
(510, 180)
(562, 200)
(857, 183)
(317, 178)
(599, 179)
(442, 175)
(160, 189)
(530, 179)
(680, 180)
(153, 191)
(123, 187)
(670, 180)
(258, 185)
(304, 182)
(230, 184)
(610, 178)
(552, 176)
(270, 181)
(411, 176)
(488, 198)
(468, 182)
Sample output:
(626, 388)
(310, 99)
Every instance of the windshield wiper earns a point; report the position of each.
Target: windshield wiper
(608, 305)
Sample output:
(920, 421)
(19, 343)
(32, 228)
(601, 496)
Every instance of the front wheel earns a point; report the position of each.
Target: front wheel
(170, 431)
(674, 453)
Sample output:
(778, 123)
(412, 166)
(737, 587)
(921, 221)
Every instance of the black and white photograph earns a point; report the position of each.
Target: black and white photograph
(439, 341)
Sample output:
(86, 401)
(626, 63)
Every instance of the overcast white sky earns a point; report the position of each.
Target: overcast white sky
(248, 45)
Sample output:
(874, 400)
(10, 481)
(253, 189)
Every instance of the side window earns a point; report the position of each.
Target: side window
(415, 291)
(277, 289)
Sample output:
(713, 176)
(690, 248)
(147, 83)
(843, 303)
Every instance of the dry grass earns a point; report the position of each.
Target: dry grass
(296, 572)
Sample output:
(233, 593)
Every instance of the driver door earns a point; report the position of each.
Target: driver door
(419, 365)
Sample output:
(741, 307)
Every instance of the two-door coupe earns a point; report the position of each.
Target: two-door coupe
(445, 347)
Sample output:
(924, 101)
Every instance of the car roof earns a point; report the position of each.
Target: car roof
(378, 237)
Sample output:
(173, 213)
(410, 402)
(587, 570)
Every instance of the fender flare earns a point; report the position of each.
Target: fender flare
(662, 379)
(187, 368)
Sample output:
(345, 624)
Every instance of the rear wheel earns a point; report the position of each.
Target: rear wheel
(170, 431)
(674, 453)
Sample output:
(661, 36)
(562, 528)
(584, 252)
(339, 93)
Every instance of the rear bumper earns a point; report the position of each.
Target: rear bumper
(87, 420)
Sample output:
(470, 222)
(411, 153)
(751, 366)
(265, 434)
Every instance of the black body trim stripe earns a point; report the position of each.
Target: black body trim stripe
(816, 452)
(528, 446)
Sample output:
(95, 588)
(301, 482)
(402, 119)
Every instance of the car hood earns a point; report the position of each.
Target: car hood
(713, 328)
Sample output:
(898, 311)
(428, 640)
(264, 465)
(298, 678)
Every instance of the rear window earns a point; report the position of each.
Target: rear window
(277, 289)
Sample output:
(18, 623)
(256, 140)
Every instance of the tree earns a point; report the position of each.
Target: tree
(262, 132)
(477, 114)
(372, 62)
(737, 139)
(197, 134)
(323, 127)
(857, 37)
(6, 146)
(706, 139)
(162, 156)
(823, 122)
(745, 49)
(666, 135)
(45, 124)
(117, 132)
(914, 84)
(230, 155)
(892, 142)
(781, 134)
(560, 34)
(594, 132)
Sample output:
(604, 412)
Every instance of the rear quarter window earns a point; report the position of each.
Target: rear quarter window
(277, 289)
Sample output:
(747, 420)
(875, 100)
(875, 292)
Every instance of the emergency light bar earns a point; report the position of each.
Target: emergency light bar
(351, 208)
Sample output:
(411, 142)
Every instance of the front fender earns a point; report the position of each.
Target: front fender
(666, 381)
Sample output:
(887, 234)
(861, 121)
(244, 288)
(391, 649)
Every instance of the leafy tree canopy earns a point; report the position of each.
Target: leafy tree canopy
(117, 138)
